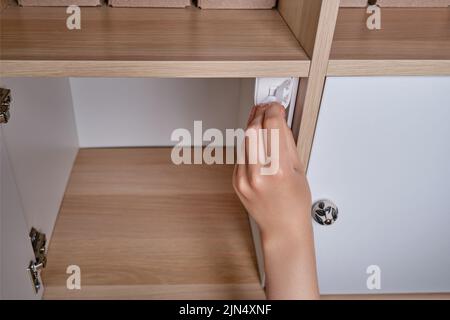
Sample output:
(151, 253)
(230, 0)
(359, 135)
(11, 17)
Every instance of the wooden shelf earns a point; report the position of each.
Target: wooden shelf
(141, 227)
(412, 41)
(149, 42)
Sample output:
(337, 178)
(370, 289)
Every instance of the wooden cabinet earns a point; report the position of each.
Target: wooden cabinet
(86, 155)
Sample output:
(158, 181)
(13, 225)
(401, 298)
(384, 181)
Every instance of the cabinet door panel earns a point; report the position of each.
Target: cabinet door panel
(15, 246)
(42, 143)
(382, 153)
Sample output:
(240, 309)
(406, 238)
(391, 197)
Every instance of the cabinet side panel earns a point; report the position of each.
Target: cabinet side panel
(302, 17)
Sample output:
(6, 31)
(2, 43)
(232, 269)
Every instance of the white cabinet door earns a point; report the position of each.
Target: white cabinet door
(15, 246)
(42, 142)
(39, 145)
(381, 153)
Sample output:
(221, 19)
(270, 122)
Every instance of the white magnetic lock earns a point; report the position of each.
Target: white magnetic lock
(282, 90)
(274, 90)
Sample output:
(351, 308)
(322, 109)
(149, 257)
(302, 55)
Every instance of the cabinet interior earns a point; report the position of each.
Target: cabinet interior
(97, 150)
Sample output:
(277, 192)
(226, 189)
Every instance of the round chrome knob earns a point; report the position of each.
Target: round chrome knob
(325, 212)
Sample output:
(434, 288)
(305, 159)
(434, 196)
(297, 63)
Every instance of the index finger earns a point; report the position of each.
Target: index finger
(274, 118)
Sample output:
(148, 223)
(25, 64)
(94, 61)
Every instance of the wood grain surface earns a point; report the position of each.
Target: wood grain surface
(418, 38)
(302, 16)
(141, 227)
(158, 40)
(312, 88)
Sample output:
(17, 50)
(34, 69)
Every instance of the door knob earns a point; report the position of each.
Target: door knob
(325, 212)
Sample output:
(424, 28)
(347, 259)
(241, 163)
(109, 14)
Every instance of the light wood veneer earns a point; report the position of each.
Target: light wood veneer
(141, 227)
(149, 42)
(412, 41)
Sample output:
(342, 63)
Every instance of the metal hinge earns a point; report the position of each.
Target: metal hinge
(33, 269)
(5, 103)
(38, 242)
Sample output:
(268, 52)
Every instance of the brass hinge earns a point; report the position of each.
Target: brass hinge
(5, 103)
(38, 242)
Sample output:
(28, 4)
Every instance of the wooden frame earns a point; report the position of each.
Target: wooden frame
(341, 45)
(320, 17)
(310, 51)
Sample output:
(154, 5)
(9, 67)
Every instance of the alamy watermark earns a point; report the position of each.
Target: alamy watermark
(252, 146)
(374, 279)
(73, 21)
(73, 282)
(374, 20)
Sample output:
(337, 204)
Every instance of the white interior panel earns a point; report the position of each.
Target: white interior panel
(42, 143)
(246, 101)
(123, 112)
(15, 246)
(381, 154)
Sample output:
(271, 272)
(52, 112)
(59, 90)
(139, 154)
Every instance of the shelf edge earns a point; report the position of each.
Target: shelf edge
(157, 69)
(388, 68)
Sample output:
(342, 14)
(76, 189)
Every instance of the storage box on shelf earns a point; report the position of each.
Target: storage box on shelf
(237, 4)
(397, 3)
(56, 3)
(150, 3)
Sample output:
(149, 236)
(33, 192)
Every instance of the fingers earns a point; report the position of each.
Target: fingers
(274, 145)
(252, 143)
(243, 171)
(254, 146)
(278, 133)
(252, 115)
(240, 181)
(275, 119)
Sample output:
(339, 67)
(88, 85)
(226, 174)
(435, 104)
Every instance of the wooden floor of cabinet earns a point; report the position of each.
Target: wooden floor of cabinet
(141, 227)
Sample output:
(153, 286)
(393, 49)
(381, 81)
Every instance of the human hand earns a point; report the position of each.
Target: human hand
(280, 203)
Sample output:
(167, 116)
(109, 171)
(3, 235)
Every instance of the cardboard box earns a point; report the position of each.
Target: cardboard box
(237, 4)
(59, 3)
(150, 3)
(3, 4)
(397, 3)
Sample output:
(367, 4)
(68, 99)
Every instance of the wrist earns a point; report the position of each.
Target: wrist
(296, 234)
(290, 266)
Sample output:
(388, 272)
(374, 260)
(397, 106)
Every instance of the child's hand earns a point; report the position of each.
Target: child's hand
(280, 203)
